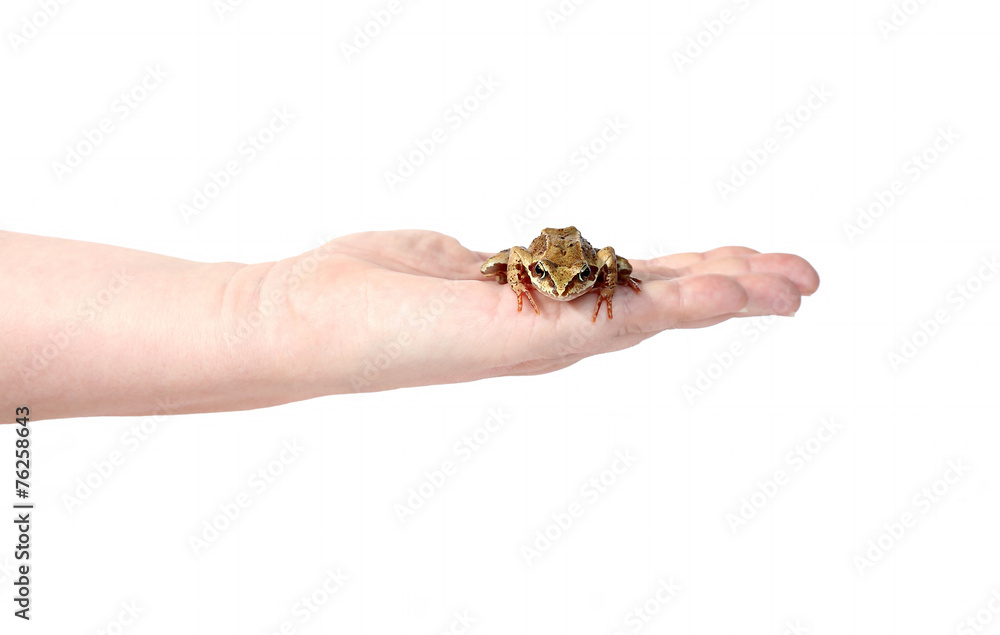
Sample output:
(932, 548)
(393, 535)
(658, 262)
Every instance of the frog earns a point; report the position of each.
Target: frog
(561, 264)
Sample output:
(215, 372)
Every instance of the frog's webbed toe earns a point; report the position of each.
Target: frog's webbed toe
(633, 283)
(603, 294)
(519, 289)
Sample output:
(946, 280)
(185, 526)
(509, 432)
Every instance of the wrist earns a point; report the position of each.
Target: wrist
(279, 327)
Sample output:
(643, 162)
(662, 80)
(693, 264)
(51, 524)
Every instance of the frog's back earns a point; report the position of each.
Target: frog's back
(563, 245)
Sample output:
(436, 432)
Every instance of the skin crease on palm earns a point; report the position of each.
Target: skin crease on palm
(365, 312)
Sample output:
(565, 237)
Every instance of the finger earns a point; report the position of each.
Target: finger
(768, 294)
(727, 252)
(664, 304)
(793, 267)
(672, 266)
(700, 324)
(796, 269)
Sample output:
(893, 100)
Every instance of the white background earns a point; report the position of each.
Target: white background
(654, 190)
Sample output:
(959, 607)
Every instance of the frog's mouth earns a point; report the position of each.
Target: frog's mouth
(563, 283)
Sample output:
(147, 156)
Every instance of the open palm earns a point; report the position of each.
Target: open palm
(407, 308)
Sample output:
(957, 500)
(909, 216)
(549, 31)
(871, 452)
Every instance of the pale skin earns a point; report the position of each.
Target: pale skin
(88, 329)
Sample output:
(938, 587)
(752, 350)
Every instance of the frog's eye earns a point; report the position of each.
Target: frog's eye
(584, 273)
(539, 270)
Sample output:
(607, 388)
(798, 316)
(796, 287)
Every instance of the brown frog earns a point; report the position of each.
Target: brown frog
(561, 264)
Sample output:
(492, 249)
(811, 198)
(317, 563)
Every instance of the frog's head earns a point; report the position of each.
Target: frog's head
(562, 282)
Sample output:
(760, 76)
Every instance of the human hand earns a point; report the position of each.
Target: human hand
(366, 312)
(391, 309)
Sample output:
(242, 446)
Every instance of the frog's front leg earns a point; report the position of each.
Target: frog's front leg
(518, 261)
(496, 267)
(625, 274)
(615, 269)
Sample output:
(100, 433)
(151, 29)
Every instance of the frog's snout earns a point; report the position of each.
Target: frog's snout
(561, 278)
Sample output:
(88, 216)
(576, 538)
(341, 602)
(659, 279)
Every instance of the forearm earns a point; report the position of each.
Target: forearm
(89, 329)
